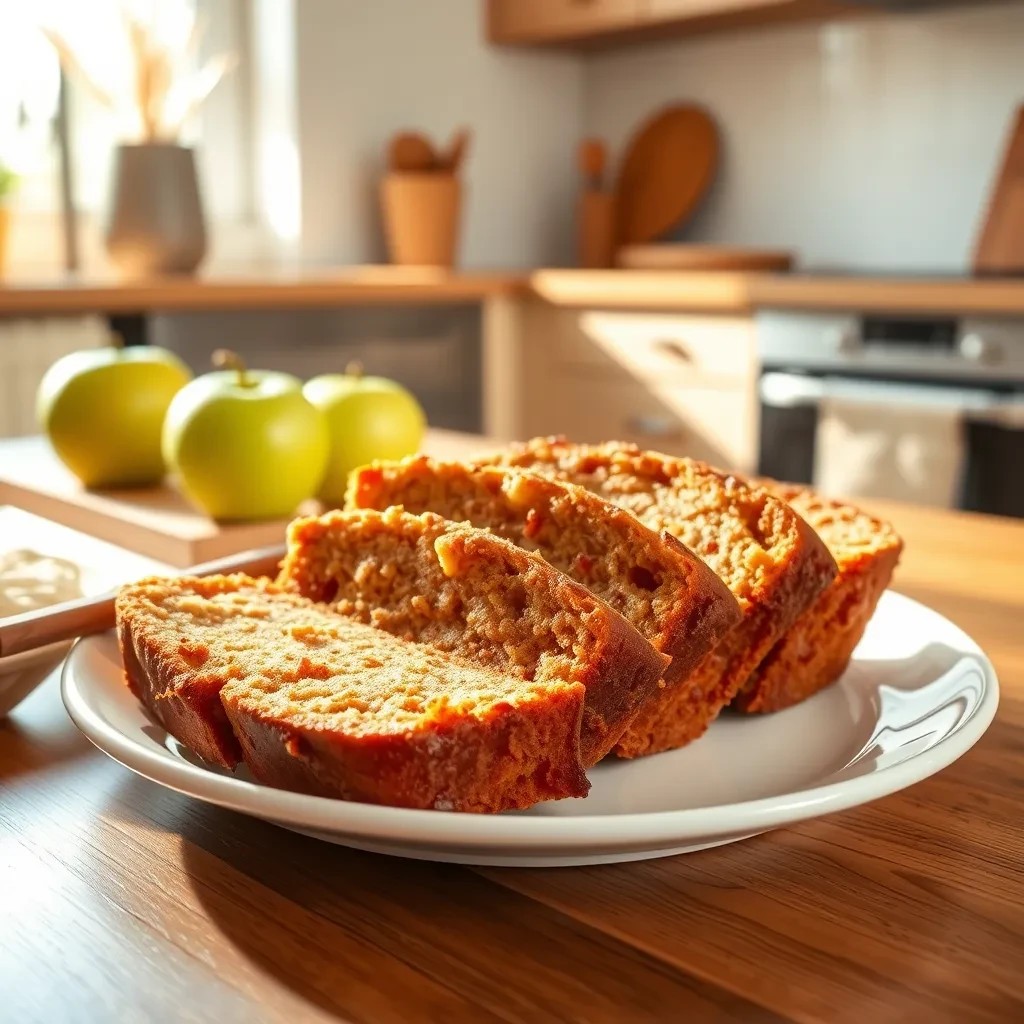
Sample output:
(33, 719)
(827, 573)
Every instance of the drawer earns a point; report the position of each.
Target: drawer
(718, 425)
(688, 350)
(524, 20)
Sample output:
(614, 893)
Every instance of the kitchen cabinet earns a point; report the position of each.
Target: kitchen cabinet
(597, 22)
(535, 21)
(681, 384)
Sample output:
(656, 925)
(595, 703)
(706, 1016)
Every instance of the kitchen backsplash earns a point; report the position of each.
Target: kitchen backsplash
(867, 144)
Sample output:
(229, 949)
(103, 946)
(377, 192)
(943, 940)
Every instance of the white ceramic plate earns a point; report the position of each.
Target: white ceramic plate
(918, 694)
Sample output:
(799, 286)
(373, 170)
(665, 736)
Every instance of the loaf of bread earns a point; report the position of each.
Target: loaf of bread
(661, 587)
(816, 649)
(772, 561)
(473, 594)
(312, 701)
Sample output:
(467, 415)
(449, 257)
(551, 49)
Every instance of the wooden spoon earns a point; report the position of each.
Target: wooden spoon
(453, 157)
(593, 159)
(411, 153)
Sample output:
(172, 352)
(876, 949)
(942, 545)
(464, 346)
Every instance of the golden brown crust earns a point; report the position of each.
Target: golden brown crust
(816, 649)
(667, 592)
(487, 600)
(773, 562)
(510, 761)
(183, 699)
(508, 754)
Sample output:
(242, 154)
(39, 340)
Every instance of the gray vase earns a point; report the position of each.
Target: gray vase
(156, 223)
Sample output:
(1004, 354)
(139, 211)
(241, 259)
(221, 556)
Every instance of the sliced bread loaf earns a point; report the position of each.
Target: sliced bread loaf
(772, 561)
(318, 703)
(816, 649)
(471, 593)
(666, 591)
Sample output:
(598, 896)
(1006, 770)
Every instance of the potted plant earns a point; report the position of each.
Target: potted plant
(8, 184)
(155, 220)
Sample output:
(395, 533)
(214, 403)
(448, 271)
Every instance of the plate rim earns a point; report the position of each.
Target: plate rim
(501, 831)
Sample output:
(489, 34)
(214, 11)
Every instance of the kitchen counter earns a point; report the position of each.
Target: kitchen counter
(737, 293)
(128, 901)
(306, 289)
(710, 292)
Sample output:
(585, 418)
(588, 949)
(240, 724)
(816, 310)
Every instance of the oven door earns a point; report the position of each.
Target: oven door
(992, 477)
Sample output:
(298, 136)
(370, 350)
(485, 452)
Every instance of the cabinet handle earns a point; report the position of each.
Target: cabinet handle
(675, 349)
(661, 427)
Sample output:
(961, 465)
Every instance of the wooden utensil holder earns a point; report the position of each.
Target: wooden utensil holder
(422, 214)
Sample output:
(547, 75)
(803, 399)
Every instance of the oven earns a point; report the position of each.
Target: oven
(927, 409)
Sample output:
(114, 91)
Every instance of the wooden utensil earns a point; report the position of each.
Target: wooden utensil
(595, 211)
(453, 157)
(593, 159)
(411, 152)
(668, 167)
(701, 257)
(71, 619)
(1000, 246)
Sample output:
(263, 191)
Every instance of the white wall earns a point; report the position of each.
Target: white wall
(367, 68)
(869, 144)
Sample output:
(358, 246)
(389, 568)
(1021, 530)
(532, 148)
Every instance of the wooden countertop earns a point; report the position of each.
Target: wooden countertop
(729, 292)
(710, 292)
(284, 289)
(126, 901)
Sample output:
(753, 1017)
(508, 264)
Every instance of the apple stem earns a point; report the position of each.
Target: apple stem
(354, 369)
(225, 359)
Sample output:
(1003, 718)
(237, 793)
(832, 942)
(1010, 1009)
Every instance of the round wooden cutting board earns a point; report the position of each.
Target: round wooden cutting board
(665, 172)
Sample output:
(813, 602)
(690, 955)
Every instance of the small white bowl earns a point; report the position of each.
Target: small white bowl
(102, 567)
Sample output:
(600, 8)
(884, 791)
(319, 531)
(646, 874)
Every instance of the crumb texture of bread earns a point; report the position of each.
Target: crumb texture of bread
(669, 594)
(318, 703)
(772, 561)
(473, 594)
(817, 648)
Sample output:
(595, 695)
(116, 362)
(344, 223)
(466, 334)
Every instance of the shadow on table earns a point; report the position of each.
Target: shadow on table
(345, 930)
(38, 736)
(371, 937)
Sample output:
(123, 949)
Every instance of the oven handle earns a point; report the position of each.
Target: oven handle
(790, 390)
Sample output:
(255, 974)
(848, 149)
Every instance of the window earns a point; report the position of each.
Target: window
(29, 97)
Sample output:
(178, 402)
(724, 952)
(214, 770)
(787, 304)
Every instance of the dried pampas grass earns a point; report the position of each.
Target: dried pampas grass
(166, 89)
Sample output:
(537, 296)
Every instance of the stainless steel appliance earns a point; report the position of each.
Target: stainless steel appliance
(971, 367)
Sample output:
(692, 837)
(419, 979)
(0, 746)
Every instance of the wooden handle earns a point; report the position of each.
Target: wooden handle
(592, 157)
(87, 615)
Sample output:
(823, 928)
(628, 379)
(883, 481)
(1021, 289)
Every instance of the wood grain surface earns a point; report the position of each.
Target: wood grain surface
(124, 901)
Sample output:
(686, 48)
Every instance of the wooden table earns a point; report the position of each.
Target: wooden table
(123, 901)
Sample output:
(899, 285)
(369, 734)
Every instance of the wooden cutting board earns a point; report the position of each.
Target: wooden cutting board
(667, 168)
(1000, 247)
(665, 256)
(154, 521)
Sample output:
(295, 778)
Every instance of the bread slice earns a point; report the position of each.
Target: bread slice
(470, 593)
(816, 649)
(661, 587)
(318, 703)
(772, 561)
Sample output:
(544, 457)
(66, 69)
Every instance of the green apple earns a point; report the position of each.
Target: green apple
(103, 410)
(368, 418)
(245, 444)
